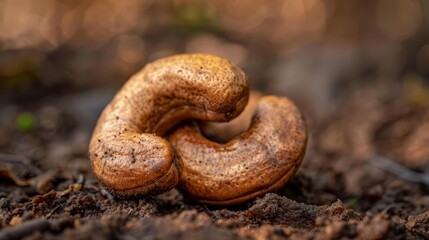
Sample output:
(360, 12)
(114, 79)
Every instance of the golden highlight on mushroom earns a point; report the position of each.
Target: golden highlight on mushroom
(128, 154)
(258, 161)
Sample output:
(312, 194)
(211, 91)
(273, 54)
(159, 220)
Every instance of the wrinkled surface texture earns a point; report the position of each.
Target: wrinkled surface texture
(234, 127)
(260, 160)
(129, 155)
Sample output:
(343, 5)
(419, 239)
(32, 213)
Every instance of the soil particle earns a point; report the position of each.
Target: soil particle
(419, 224)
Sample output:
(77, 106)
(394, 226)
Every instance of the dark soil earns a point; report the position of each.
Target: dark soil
(348, 187)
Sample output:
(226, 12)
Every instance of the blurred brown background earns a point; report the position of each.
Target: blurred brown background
(61, 61)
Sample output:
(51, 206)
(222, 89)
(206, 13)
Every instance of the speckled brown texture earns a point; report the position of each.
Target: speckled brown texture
(260, 160)
(225, 131)
(128, 154)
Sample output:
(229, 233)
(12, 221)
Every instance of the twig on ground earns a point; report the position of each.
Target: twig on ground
(109, 196)
(31, 226)
(24, 229)
(398, 170)
(210, 213)
(16, 159)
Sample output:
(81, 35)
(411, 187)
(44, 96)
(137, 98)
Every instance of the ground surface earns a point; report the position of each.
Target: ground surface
(346, 188)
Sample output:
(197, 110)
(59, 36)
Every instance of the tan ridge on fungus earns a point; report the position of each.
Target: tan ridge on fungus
(225, 131)
(258, 161)
(128, 154)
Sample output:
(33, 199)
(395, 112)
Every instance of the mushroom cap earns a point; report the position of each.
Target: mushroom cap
(260, 160)
(129, 156)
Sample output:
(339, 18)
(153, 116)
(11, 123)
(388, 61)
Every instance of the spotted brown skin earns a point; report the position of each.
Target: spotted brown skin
(224, 131)
(128, 154)
(258, 161)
